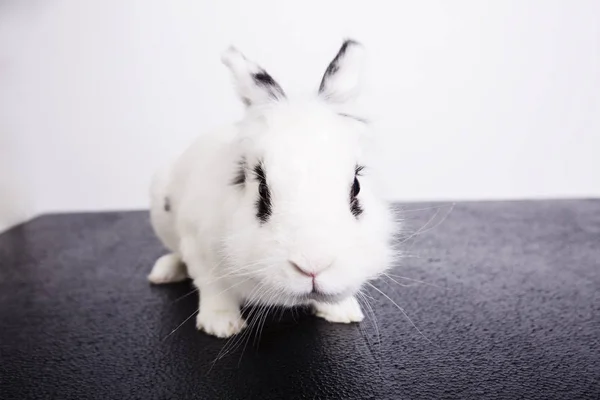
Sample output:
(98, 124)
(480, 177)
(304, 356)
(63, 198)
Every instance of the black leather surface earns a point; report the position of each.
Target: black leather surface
(514, 313)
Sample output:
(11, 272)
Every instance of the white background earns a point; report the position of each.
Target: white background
(470, 99)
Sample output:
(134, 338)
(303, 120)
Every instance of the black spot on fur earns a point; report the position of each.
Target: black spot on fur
(167, 205)
(334, 65)
(240, 177)
(263, 203)
(266, 81)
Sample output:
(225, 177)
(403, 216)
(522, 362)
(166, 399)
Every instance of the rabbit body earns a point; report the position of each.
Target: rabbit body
(276, 209)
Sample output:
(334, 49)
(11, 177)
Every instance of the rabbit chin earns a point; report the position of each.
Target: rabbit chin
(292, 299)
(283, 295)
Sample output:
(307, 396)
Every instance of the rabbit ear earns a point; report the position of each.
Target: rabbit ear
(342, 79)
(254, 85)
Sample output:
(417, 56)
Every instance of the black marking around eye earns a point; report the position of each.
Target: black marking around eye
(334, 65)
(266, 81)
(167, 204)
(263, 203)
(356, 207)
(240, 177)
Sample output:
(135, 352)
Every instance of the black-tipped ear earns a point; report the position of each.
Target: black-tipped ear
(342, 79)
(254, 85)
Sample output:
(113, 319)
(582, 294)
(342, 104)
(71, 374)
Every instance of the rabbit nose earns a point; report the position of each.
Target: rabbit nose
(310, 272)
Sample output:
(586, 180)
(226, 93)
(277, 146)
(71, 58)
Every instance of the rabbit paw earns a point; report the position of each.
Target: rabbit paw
(345, 312)
(168, 269)
(220, 323)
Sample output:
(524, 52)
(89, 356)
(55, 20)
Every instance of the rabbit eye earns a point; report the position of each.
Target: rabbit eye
(263, 190)
(263, 203)
(355, 206)
(355, 188)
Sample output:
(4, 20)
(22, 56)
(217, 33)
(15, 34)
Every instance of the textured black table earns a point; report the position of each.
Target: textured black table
(512, 310)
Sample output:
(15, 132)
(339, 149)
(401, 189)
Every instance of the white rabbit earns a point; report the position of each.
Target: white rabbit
(275, 209)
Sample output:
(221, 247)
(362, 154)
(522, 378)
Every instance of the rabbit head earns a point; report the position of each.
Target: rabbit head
(308, 225)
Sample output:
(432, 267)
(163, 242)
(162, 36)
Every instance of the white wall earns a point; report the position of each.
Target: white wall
(16, 194)
(471, 99)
